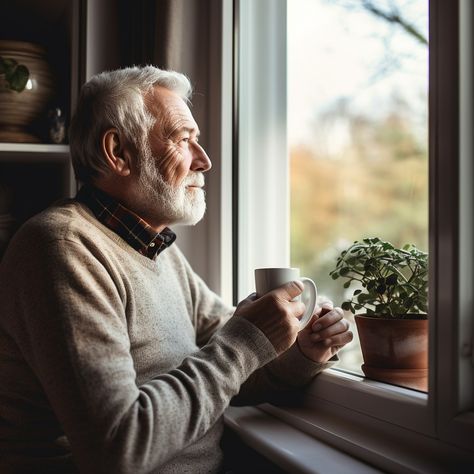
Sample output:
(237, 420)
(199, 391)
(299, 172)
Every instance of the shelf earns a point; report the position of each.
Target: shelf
(34, 148)
(53, 26)
(34, 175)
(33, 152)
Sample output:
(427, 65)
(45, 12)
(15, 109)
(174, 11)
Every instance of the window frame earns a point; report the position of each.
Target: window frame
(451, 229)
(445, 414)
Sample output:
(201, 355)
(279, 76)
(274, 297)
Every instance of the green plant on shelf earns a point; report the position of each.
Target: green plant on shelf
(16, 75)
(391, 282)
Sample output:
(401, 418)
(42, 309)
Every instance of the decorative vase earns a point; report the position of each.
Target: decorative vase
(20, 109)
(395, 350)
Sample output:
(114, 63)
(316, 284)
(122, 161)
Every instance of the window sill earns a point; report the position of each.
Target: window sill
(310, 432)
(396, 405)
(287, 447)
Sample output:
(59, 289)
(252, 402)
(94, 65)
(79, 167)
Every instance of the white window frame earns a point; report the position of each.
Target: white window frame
(440, 423)
(262, 171)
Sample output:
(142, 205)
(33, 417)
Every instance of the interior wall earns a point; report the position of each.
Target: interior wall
(102, 52)
(192, 47)
(185, 35)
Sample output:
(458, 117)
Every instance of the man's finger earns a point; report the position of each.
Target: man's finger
(338, 340)
(325, 309)
(327, 319)
(338, 328)
(289, 290)
(250, 299)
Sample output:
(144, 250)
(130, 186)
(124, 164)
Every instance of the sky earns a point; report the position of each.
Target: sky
(335, 53)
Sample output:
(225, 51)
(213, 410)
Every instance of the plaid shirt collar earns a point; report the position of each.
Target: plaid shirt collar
(134, 230)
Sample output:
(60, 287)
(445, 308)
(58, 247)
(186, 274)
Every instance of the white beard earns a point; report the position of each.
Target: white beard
(173, 205)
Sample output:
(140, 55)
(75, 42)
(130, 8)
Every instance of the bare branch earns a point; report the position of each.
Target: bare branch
(395, 17)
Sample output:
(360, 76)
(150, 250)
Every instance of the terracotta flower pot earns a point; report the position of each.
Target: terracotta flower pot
(20, 109)
(395, 350)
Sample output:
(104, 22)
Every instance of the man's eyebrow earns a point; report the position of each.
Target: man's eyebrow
(187, 129)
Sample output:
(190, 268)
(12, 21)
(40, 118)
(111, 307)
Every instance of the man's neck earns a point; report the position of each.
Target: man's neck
(124, 194)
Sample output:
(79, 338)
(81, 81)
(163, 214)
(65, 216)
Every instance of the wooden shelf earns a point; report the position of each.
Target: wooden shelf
(33, 152)
(34, 175)
(33, 148)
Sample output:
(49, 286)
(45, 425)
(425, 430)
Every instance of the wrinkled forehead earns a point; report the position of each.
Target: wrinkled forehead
(169, 109)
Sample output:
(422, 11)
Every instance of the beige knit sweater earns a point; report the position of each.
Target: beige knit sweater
(114, 363)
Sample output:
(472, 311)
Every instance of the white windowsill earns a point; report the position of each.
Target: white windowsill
(302, 438)
(288, 447)
(408, 408)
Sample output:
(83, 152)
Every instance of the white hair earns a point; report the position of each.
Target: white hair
(115, 99)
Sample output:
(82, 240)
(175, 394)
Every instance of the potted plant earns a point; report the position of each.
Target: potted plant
(389, 302)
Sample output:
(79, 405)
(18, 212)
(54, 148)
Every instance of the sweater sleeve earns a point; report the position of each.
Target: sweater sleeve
(289, 371)
(69, 320)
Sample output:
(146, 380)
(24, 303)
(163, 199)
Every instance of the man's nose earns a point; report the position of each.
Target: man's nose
(201, 161)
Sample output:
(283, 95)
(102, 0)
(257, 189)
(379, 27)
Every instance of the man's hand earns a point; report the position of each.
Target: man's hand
(275, 314)
(327, 332)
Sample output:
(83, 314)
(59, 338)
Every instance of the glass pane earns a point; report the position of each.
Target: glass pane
(358, 111)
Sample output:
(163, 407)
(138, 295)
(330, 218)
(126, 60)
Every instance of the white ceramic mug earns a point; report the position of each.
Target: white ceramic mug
(267, 279)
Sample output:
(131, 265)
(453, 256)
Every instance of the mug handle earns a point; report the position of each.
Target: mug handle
(311, 306)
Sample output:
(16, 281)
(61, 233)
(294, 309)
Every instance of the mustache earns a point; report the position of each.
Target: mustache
(195, 179)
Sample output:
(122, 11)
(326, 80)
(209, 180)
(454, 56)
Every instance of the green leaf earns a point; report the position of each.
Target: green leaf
(423, 307)
(368, 264)
(19, 78)
(347, 284)
(362, 297)
(352, 261)
(407, 303)
(346, 306)
(391, 279)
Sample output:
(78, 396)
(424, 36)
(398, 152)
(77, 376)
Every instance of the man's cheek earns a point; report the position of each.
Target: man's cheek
(179, 171)
(169, 168)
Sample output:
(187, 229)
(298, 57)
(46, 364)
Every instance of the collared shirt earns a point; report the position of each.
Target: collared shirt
(134, 230)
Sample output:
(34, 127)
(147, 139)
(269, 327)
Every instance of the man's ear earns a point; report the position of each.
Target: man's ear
(116, 153)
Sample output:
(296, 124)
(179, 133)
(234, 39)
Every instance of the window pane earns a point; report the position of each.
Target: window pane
(357, 125)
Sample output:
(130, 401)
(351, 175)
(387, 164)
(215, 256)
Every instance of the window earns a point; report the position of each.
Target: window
(357, 133)
(341, 408)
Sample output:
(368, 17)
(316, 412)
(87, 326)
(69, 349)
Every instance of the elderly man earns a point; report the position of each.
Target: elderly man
(114, 355)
